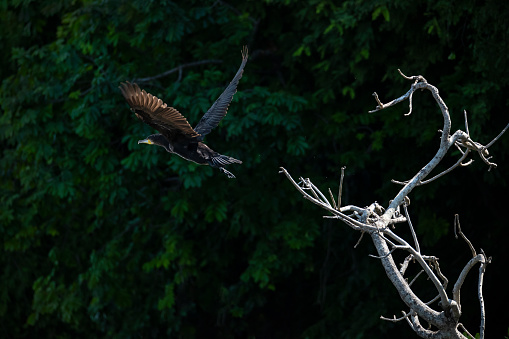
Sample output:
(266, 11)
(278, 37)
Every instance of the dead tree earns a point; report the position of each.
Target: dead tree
(379, 223)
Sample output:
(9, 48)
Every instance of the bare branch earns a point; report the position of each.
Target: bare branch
(414, 323)
(459, 282)
(376, 221)
(445, 142)
(384, 254)
(407, 295)
(407, 95)
(482, 269)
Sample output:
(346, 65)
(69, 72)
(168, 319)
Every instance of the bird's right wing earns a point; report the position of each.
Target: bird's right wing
(220, 107)
(155, 113)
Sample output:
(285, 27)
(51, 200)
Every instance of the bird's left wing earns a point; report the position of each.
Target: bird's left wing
(155, 113)
(220, 107)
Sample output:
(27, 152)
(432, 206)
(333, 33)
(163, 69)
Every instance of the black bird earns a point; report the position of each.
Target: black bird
(176, 135)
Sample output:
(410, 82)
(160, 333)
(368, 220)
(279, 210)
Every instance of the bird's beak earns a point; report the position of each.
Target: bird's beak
(145, 141)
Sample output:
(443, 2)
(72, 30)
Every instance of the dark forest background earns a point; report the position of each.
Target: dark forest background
(102, 237)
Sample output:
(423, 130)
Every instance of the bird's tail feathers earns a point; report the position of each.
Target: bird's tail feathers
(222, 160)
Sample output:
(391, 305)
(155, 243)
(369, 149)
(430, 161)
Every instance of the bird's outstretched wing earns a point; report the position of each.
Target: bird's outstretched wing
(155, 113)
(220, 107)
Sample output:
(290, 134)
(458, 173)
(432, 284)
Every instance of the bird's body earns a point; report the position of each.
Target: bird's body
(197, 152)
(176, 135)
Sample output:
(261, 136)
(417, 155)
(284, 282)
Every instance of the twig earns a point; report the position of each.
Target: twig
(351, 222)
(497, 137)
(416, 78)
(465, 330)
(458, 163)
(399, 182)
(333, 201)
(459, 148)
(179, 69)
(464, 140)
(415, 278)
(457, 224)
(360, 238)
(466, 122)
(417, 248)
(351, 208)
(434, 261)
(409, 105)
(324, 199)
(405, 264)
(432, 300)
(394, 319)
(392, 103)
(395, 247)
(304, 183)
(380, 105)
(340, 189)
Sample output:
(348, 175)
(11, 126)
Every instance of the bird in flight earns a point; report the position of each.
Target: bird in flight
(175, 134)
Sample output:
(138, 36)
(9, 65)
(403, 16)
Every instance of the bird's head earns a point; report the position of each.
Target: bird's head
(146, 141)
(155, 139)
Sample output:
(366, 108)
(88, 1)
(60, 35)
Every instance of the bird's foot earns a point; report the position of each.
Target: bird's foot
(228, 173)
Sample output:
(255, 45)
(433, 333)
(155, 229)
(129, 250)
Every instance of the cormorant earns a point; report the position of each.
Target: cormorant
(176, 135)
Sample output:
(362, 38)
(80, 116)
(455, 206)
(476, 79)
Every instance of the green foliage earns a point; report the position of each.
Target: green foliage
(103, 237)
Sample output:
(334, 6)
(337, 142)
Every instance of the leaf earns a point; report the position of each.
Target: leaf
(381, 10)
(169, 298)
